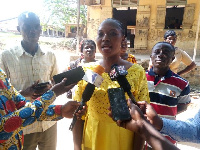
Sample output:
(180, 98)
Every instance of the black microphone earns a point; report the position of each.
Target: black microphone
(118, 73)
(87, 94)
(73, 76)
(89, 89)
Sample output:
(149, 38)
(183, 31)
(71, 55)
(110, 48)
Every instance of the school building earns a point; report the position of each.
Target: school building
(147, 20)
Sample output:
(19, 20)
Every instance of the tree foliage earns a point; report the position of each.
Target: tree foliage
(61, 12)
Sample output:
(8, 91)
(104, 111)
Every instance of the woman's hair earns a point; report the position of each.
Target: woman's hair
(84, 42)
(169, 33)
(118, 24)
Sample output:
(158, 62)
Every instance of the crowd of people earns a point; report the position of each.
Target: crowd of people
(28, 115)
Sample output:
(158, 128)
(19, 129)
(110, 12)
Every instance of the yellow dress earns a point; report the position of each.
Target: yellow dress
(100, 131)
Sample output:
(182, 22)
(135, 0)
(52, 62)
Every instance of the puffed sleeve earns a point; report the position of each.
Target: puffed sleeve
(80, 87)
(137, 79)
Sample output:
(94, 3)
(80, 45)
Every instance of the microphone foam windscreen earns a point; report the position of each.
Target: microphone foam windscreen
(99, 69)
(73, 76)
(87, 93)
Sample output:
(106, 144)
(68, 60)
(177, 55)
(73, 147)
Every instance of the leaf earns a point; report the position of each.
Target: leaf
(60, 12)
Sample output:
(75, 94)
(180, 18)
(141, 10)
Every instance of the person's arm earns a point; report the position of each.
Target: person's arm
(154, 138)
(142, 94)
(187, 60)
(138, 142)
(78, 134)
(146, 130)
(25, 114)
(139, 125)
(79, 125)
(19, 110)
(57, 112)
(22, 113)
(183, 99)
(187, 69)
(185, 131)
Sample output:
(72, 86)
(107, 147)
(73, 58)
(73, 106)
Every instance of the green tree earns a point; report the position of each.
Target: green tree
(61, 12)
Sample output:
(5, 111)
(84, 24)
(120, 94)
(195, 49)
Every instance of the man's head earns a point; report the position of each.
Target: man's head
(170, 37)
(162, 55)
(29, 27)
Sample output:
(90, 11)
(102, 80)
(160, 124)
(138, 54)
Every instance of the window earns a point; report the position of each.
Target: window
(124, 3)
(174, 17)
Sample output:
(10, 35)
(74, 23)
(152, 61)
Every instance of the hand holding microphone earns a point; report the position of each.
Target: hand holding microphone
(118, 73)
(94, 79)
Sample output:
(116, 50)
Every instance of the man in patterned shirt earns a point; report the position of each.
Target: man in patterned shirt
(26, 65)
(17, 113)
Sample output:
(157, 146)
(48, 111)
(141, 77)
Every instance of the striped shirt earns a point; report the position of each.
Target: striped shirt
(168, 92)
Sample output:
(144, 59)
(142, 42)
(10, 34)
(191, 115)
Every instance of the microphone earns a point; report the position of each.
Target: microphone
(118, 73)
(94, 80)
(73, 76)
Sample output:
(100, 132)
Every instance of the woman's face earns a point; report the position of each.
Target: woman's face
(124, 46)
(109, 39)
(89, 50)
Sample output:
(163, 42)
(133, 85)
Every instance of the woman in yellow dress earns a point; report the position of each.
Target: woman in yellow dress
(98, 131)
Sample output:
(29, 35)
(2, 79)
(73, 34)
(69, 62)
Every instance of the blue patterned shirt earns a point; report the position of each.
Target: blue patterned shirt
(17, 113)
(185, 131)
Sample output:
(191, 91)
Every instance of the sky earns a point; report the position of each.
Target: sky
(12, 8)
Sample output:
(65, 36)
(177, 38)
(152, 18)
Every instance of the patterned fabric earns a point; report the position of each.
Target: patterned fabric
(185, 131)
(17, 113)
(23, 69)
(166, 93)
(131, 58)
(100, 131)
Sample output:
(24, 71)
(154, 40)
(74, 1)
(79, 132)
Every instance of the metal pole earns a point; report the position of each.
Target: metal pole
(78, 19)
(196, 40)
